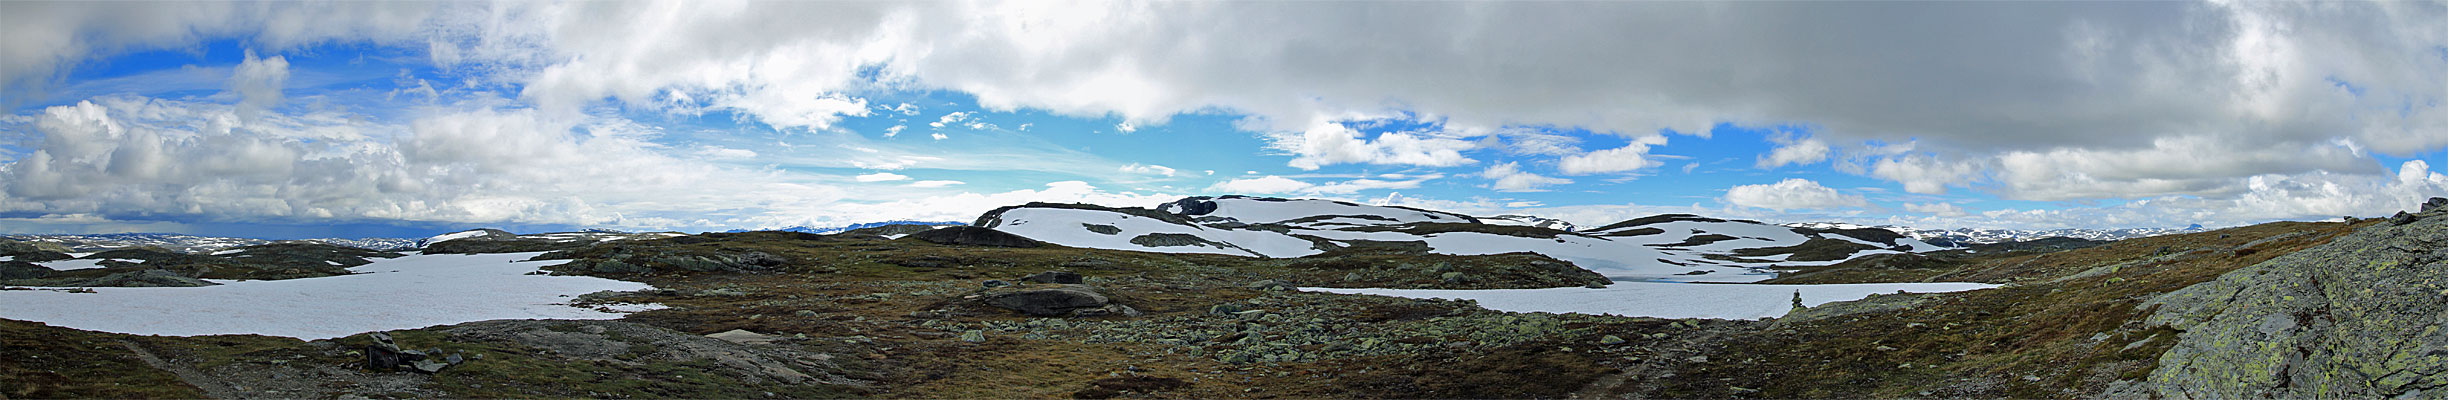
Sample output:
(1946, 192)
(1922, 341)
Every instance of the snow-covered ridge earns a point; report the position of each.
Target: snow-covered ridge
(1666, 247)
(1972, 236)
(597, 235)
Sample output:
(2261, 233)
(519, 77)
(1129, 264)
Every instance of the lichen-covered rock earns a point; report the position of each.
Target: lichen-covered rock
(2359, 317)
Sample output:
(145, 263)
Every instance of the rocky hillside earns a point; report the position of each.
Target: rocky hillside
(2360, 317)
(24, 264)
(1665, 247)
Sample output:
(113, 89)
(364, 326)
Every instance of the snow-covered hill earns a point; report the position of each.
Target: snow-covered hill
(1970, 236)
(543, 239)
(195, 244)
(1665, 247)
(827, 230)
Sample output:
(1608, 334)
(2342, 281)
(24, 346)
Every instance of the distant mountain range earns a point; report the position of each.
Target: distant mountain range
(195, 244)
(1972, 236)
(1938, 237)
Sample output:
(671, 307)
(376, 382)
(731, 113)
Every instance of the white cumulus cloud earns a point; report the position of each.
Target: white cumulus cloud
(1795, 193)
(1509, 177)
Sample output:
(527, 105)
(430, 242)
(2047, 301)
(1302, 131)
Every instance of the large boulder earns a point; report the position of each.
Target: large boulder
(975, 236)
(1057, 301)
(2358, 317)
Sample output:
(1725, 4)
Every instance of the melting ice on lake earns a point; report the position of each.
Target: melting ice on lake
(1668, 299)
(400, 293)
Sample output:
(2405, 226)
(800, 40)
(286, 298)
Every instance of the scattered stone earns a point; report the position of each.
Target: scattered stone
(1062, 277)
(1351, 277)
(743, 336)
(1452, 277)
(1610, 340)
(1226, 308)
(1270, 284)
(804, 313)
(995, 283)
(1883, 348)
(973, 336)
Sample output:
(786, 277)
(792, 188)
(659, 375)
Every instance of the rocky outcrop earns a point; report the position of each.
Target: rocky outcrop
(139, 278)
(32, 252)
(974, 236)
(22, 270)
(2359, 317)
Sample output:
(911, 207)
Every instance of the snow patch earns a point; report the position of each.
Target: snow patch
(77, 264)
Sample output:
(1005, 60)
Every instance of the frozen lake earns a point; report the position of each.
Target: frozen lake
(1668, 299)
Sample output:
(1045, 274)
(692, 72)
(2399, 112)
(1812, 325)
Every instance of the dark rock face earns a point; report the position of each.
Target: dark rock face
(1062, 277)
(1193, 206)
(975, 236)
(2435, 204)
(1102, 229)
(2358, 317)
(1172, 239)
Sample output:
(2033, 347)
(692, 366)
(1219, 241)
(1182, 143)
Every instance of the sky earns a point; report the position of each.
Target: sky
(401, 119)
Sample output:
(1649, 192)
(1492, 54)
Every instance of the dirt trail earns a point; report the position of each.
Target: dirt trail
(212, 387)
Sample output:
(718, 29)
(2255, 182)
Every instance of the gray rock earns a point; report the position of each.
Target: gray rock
(2358, 317)
(1271, 284)
(2402, 218)
(2435, 204)
(994, 283)
(1065, 277)
(743, 336)
(1611, 340)
(1225, 309)
(973, 336)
